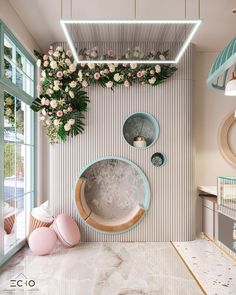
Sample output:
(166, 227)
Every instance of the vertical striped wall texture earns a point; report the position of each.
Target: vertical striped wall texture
(171, 214)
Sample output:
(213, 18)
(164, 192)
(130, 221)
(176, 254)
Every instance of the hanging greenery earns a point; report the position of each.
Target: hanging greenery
(63, 100)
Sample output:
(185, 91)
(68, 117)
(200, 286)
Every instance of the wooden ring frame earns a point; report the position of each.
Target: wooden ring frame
(96, 221)
(223, 139)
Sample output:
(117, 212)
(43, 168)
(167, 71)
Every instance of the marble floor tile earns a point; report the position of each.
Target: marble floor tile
(213, 269)
(102, 269)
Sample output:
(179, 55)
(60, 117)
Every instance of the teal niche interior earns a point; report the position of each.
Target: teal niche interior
(141, 130)
(112, 195)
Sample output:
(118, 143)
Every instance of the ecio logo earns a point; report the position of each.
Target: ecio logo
(21, 282)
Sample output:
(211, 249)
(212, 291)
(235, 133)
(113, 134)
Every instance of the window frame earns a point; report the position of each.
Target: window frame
(8, 86)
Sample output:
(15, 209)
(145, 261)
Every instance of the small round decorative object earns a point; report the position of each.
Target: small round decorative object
(42, 241)
(158, 159)
(139, 142)
(67, 230)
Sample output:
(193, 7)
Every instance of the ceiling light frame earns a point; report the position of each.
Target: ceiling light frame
(195, 23)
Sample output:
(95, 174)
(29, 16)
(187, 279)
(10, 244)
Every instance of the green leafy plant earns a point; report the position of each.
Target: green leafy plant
(63, 100)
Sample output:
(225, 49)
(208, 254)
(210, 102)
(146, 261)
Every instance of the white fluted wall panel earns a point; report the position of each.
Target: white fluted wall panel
(171, 214)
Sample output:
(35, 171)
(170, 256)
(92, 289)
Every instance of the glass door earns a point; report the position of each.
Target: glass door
(18, 170)
(16, 143)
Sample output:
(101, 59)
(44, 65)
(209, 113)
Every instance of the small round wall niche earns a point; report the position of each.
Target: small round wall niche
(112, 194)
(141, 130)
(158, 159)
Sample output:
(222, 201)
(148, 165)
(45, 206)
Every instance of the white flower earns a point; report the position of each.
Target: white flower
(38, 63)
(66, 89)
(80, 75)
(162, 57)
(68, 62)
(71, 121)
(53, 103)
(152, 72)
(59, 48)
(48, 122)
(56, 122)
(71, 93)
(67, 127)
(73, 84)
(42, 118)
(8, 111)
(43, 101)
(152, 80)
(43, 74)
(53, 64)
(56, 82)
(111, 67)
(9, 101)
(109, 84)
(56, 88)
(91, 66)
(133, 66)
(44, 113)
(117, 77)
(157, 68)
(72, 68)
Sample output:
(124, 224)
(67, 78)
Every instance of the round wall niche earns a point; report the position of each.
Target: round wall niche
(141, 130)
(112, 194)
(226, 138)
(158, 159)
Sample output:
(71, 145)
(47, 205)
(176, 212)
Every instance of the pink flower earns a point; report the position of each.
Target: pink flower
(139, 74)
(45, 57)
(39, 88)
(59, 113)
(59, 74)
(125, 65)
(126, 83)
(46, 63)
(47, 102)
(50, 52)
(129, 74)
(84, 84)
(110, 52)
(69, 53)
(106, 71)
(69, 109)
(96, 76)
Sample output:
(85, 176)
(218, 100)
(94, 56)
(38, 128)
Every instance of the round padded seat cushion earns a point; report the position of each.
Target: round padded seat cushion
(42, 240)
(67, 230)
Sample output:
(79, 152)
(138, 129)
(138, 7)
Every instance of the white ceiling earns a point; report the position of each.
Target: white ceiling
(41, 17)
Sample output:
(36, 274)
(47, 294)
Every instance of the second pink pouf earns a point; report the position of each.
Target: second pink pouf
(67, 230)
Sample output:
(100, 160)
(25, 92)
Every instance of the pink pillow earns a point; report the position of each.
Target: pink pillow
(67, 230)
(42, 240)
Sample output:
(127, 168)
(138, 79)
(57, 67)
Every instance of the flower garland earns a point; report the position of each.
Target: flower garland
(63, 101)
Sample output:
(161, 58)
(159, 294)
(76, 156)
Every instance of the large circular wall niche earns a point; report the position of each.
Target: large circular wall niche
(141, 130)
(112, 194)
(226, 138)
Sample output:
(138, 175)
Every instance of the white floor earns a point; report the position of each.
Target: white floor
(102, 269)
(215, 271)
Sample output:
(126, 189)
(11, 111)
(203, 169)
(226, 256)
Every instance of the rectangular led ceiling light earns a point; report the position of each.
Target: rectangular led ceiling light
(131, 41)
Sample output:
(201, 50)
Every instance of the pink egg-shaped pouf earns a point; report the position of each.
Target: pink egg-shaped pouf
(42, 240)
(67, 230)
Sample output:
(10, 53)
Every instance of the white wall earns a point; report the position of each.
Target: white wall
(210, 108)
(10, 17)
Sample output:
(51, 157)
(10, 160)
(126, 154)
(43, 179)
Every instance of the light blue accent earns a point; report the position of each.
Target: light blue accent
(8, 86)
(154, 123)
(147, 196)
(223, 62)
(227, 178)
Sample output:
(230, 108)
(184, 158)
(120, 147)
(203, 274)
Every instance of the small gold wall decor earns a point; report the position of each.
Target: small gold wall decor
(223, 138)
